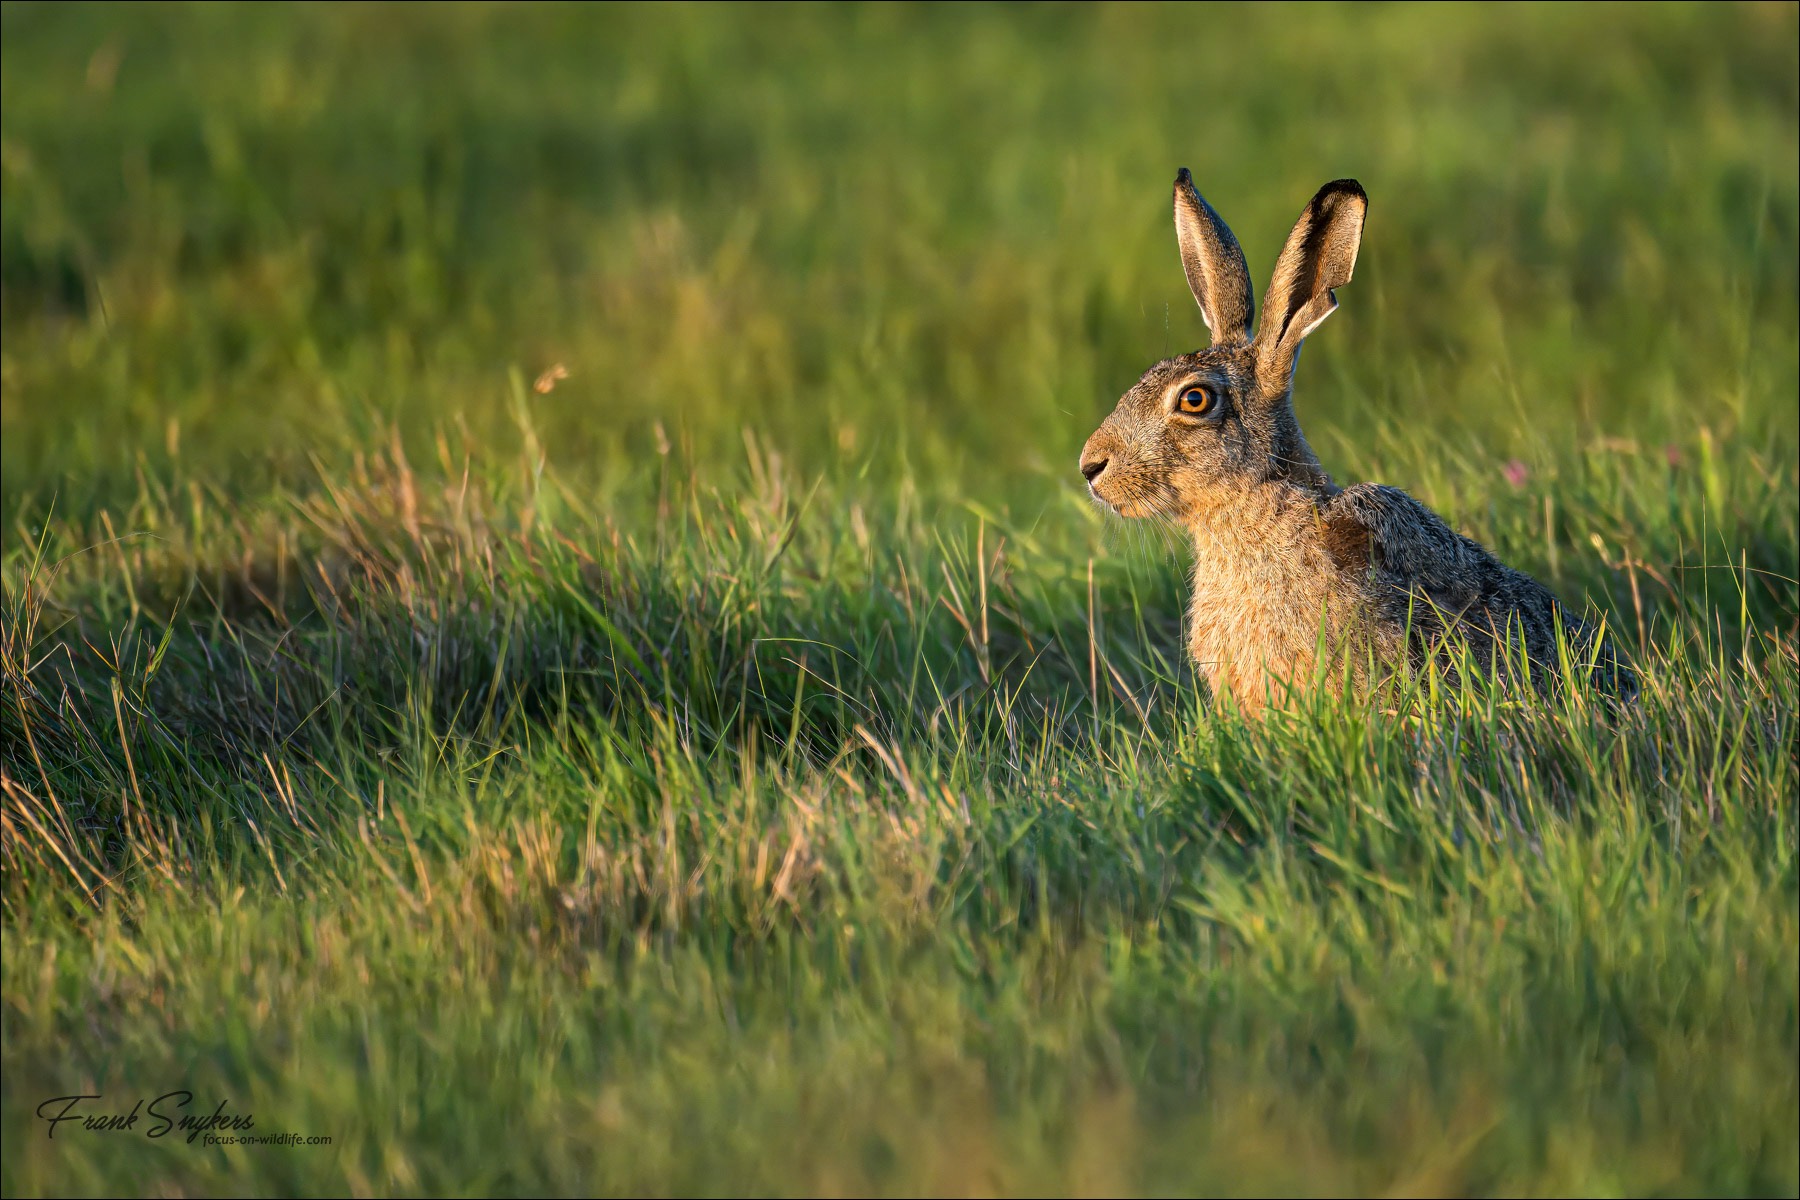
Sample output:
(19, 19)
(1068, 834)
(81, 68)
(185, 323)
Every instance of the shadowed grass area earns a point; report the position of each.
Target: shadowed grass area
(744, 762)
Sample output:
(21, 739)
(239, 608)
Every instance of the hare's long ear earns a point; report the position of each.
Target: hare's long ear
(1320, 255)
(1215, 266)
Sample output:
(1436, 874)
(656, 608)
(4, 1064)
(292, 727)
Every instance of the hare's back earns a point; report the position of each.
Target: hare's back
(1421, 571)
(1424, 577)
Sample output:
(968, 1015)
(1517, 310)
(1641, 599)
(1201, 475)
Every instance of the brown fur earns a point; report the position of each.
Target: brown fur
(1286, 563)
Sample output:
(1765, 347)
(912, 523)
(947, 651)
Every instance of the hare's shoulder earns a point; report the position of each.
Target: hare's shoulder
(1396, 534)
(1413, 550)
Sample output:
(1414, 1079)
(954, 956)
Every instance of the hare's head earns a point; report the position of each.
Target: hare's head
(1199, 427)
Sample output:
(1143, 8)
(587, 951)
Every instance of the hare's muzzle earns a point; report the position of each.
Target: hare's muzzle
(1097, 453)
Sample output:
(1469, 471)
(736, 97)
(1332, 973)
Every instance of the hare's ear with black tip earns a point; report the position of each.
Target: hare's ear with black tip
(1214, 264)
(1320, 255)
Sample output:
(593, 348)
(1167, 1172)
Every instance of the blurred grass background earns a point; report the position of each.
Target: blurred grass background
(237, 238)
(750, 762)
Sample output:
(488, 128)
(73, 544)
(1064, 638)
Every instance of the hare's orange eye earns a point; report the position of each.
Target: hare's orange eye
(1196, 401)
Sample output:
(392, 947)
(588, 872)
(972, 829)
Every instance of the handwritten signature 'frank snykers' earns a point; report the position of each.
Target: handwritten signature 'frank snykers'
(162, 1113)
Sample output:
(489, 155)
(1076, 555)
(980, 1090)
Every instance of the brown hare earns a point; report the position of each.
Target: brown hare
(1288, 566)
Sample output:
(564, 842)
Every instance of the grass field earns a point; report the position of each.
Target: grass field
(743, 760)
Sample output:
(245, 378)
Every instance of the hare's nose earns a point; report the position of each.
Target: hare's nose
(1091, 468)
